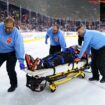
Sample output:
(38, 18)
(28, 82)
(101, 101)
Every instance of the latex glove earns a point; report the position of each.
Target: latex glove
(46, 42)
(22, 66)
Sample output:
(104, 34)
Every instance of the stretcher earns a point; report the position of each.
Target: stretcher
(55, 76)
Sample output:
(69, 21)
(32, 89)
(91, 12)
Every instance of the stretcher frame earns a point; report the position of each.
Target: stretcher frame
(38, 84)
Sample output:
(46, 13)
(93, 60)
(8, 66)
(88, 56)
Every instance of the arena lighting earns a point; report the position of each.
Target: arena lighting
(96, 1)
(102, 1)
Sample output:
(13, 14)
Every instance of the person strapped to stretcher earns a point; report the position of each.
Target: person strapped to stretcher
(54, 60)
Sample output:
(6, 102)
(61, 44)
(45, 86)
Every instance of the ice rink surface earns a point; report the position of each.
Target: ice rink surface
(75, 92)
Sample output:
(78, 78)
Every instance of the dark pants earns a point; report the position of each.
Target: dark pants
(98, 62)
(80, 40)
(54, 49)
(10, 59)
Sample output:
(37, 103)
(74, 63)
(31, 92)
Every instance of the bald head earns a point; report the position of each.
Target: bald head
(55, 28)
(80, 30)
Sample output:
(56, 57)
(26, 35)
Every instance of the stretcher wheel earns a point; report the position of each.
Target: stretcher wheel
(83, 75)
(53, 90)
(52, 87)
(88, 67)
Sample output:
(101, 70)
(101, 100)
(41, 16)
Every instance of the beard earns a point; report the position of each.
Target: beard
(55, 32)
(8, 31)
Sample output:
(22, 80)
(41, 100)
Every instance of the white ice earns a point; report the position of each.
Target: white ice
(75, 92)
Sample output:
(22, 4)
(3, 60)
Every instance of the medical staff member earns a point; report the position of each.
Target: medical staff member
(57, 40)
(94, 41)
(11, 49)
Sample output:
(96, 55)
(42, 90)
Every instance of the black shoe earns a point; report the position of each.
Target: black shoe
(12, 88)
(102, 80)
(93, 79)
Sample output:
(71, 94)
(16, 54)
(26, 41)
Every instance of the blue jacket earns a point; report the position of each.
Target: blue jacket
(92, 39)
(56, 39)
(12, 42)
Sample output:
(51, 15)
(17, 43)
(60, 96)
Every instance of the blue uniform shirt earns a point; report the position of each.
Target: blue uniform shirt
(12, 42)
(56, 39)
(92, 39)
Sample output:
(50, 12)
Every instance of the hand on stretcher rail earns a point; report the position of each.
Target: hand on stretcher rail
(77, 59)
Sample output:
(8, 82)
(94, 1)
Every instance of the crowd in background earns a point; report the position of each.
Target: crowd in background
(32, 21)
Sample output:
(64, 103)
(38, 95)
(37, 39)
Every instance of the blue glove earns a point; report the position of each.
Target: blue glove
(46, 42)
(22, 66)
